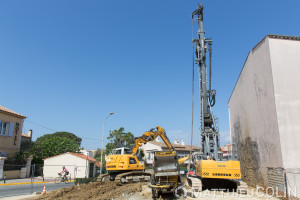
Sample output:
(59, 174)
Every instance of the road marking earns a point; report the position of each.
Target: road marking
(28, 183)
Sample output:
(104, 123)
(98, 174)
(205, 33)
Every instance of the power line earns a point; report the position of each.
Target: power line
(56, 130)
(41, 125)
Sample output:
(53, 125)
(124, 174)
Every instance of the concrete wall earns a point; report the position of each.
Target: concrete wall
(12, 174)
(77, 166)
(285, 59)
(7, 142)
(253, 118)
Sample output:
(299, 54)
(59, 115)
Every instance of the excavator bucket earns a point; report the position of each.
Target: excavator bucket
(166, 164)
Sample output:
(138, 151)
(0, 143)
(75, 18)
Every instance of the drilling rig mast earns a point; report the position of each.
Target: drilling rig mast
(208, 128)
(209, 166)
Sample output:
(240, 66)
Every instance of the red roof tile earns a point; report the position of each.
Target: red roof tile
(8, 111)
(79, 155)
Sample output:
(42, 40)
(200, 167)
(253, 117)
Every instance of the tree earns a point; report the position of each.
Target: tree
(97, 155)
(142, 153)
(53, 146)
(119, 138)
(25, 151)
(60, 134)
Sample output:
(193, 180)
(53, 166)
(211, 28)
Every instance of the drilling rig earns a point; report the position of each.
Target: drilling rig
(209, 166)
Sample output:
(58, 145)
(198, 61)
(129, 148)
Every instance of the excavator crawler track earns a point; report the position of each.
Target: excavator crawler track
(195, 183)
(131, 177)
(102, 177)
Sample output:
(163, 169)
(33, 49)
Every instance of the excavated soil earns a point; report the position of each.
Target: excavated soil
(97, 190)
(139, 191)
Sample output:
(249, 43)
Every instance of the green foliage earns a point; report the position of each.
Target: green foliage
(26, 145)
(46, 146)
(97, 155)
(118, 138)
(52, 146)
(142, 153)
(25, 151)
(60, 134)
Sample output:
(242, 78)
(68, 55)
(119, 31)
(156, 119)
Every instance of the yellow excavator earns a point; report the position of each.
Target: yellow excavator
(124, 166)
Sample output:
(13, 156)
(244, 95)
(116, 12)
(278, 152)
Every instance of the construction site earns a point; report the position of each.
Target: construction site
(264, 117)
(263, 160)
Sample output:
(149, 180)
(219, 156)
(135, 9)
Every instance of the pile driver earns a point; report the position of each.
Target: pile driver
(209, 164)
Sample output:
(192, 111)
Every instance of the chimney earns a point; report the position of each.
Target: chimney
(157, 139)
(30, 133)
(176, 142)
(182, 142)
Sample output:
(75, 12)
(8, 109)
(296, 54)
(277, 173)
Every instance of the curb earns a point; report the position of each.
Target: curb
(24, 183)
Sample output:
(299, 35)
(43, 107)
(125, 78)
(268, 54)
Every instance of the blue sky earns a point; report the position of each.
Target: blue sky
(67, 64)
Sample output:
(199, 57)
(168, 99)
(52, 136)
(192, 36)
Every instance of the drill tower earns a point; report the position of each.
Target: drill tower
(208, 128)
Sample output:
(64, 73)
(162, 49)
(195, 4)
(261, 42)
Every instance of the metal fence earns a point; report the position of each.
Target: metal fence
(279, 178)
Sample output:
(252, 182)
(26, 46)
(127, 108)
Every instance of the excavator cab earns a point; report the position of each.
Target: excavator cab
(121, 151)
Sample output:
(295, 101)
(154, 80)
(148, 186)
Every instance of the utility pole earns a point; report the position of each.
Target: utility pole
(111, 113)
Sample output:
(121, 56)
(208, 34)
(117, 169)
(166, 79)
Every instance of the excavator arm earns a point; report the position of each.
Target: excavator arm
(150, 136)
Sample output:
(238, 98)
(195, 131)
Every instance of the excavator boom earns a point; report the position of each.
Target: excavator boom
(150, 136)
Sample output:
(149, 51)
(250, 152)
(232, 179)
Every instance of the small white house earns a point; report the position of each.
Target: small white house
(79, 165)
(182, 150)
(89, 153)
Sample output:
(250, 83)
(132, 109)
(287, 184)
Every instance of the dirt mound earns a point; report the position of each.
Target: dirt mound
(97, 190)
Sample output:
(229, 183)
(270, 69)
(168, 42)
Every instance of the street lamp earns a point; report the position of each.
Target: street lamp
(111, 113)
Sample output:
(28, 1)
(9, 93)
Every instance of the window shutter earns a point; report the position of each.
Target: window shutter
(11, 129)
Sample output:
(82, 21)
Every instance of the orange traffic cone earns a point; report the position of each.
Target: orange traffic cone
(44, 190)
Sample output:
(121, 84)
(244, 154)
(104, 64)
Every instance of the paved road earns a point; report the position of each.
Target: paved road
(16, 190)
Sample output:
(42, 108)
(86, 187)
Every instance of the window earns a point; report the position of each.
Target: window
(4, 127)
(117, 152)
(132, 161)
(127, 151)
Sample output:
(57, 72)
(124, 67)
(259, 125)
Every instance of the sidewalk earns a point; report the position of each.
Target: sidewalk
(19, 181)
(21, 197)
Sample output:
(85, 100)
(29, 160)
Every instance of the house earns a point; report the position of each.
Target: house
(88, 153)
(264, 113)
(26, 137)
(153, 146)
(78, 164)
(11, 124)
(226, 150)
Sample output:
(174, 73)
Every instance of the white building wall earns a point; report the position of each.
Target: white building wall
(87, 152)
(149, 150)
(52, 166)
(253, 119)
(285, 59)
